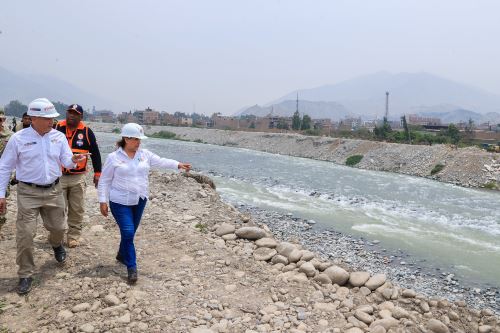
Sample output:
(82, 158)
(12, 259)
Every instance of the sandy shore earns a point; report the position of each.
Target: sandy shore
(204, 266)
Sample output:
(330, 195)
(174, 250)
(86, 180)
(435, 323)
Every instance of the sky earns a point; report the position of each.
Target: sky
(220, 56)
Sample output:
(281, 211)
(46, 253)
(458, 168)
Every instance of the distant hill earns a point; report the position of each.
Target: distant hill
(25, 88)
(316, 110)
(461, 115)
(409, 93)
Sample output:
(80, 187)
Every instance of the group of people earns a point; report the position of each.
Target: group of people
(50, 166)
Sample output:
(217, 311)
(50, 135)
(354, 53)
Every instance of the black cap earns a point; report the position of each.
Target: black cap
(75, 107)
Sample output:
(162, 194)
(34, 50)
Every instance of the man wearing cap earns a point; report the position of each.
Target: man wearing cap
(37, 153)
(81, 140)
(25, 123)
(5, 134)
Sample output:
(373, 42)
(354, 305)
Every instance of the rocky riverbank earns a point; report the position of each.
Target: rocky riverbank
(469, 167)
(204, 267)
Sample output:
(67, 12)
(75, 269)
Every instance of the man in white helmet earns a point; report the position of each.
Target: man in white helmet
(37, 153)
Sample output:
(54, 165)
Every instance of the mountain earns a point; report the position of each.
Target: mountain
(461, 115)
(316, 110)
(409, 93)
(25, 88)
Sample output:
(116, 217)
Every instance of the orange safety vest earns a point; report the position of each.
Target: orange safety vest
(79, 143)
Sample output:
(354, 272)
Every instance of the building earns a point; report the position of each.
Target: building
(104, 116)
(147, 117)
(414, 119)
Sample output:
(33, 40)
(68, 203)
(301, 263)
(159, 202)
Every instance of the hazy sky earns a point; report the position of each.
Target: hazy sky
(218, 56)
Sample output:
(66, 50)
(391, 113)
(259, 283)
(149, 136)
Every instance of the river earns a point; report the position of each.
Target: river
(447, 225)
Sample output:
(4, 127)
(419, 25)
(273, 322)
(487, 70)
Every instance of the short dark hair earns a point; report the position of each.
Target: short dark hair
(25, 115)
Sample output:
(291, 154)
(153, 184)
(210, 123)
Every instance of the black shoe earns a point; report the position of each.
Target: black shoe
(24, 286)
(60, 253)
(132, 275)
(120, 258)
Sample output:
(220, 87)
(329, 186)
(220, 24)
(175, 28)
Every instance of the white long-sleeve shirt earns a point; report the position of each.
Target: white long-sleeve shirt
(36, 158)
(124, 180)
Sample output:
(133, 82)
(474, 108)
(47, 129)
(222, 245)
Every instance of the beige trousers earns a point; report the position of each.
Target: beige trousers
(32, 201)
(73, 187)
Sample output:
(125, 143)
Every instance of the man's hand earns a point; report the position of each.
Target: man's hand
(3, 206)
(104, 209)
(185, 166)
(96, 180)
(79, 157)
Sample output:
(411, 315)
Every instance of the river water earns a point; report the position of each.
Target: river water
(447, 225)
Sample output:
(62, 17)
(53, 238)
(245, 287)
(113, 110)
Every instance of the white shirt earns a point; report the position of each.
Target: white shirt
(36, 158)
(124, 180)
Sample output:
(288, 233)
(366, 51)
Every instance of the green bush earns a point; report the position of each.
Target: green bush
(438, 167)
(353, 160)
(163, 135)
(115, 130)
(491, 185)
(310, 131)
(198, 141)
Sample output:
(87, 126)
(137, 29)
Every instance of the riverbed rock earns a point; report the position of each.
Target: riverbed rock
(266, 242)
(251, 233)
(308, 269)
(224, 229)
(437, 326)
(375, 281)
(357, 279)
(337, 274)
(264, 253)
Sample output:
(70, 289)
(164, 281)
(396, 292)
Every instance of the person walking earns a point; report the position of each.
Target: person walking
(25, 123)
(37, 153)
(124, 183)
(5, 134)
(81, 140)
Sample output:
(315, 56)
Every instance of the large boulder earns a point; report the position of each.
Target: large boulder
(375, 281)
(308, 269)
(337, 274)
(264, 253)
(294, 256)
(357, 279)
(285, 248)
(266, 242)
(224, 229)
(251, 233)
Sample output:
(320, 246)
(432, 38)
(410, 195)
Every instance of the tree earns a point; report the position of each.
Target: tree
(282, 124)
(61, 109)
(306, 122)
(15, 109)
(453, 134)
(296, 121)
(469, 130)
(382, 133)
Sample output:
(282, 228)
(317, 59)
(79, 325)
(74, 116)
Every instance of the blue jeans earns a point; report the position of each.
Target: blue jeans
(128, 219)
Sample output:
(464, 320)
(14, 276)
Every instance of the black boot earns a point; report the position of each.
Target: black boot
(120, 258)
(132, 275)
(24, 286)
(60, 253)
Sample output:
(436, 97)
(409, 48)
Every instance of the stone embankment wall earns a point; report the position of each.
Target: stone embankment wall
(469, 167)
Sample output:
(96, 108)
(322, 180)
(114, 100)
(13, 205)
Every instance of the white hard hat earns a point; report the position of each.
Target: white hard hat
(42, 107)
(133, 130)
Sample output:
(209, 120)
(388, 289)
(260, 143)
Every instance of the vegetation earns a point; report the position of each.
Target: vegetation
(311, 131)
(164, 135)
(491, 185)
(198, 141)
(353, 160)
(115, 130)
(202, 227)
(437, 168)
(15, 109)
(296, 121)
(306, 122)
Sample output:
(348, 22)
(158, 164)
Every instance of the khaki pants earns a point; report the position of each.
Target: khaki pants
(73, 187)
(31, 201)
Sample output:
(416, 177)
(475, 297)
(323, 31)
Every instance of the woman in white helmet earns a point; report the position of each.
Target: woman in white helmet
(124, 183)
